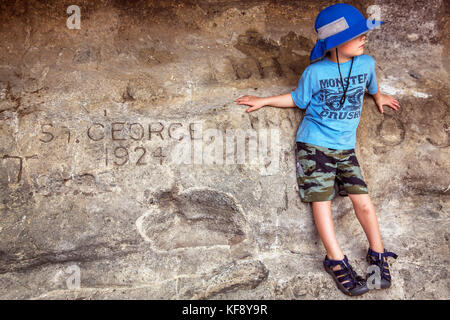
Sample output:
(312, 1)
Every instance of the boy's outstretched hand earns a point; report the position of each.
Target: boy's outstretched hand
(254, 102)
(385, 100)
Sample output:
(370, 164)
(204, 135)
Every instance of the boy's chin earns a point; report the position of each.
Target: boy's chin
(356, 54)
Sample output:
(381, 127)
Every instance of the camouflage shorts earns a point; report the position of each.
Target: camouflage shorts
(323, 173)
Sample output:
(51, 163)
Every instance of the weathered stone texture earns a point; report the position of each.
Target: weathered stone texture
(90, 122)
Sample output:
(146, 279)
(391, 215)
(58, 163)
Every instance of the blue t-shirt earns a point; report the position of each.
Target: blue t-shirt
(319, 91)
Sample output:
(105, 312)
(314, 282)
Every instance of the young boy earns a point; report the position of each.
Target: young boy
(331, 90)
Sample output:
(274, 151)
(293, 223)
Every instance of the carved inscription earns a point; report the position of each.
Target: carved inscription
(123, 131)
(120, 143)
(19, 175)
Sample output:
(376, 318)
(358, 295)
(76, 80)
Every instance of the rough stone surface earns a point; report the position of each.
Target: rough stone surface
(88, 124)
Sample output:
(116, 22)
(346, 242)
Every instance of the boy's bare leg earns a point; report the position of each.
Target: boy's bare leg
(325, 227)
(365, 212)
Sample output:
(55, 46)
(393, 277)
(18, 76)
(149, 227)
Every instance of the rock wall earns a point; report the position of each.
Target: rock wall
(94, 203)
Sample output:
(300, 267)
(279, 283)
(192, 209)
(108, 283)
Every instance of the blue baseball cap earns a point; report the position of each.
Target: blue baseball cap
(338, 24)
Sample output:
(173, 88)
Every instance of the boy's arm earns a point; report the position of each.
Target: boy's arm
(377, 95)
(300, 97)
(282, 101)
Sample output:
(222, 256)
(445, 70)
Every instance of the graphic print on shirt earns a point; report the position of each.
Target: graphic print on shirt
(353, 99)
(332, 92)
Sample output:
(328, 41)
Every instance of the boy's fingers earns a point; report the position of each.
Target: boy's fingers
(252, 108)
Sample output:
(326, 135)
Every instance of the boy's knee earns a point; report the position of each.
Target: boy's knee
(363, 202)
(367, 208)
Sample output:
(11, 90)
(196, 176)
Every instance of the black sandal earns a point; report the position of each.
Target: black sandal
(356, 284)
(377, 259)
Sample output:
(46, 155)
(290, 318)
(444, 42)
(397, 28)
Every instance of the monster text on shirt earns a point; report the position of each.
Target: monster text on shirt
(330, 98)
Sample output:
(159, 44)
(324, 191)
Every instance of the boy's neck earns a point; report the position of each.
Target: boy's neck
(342, 58)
